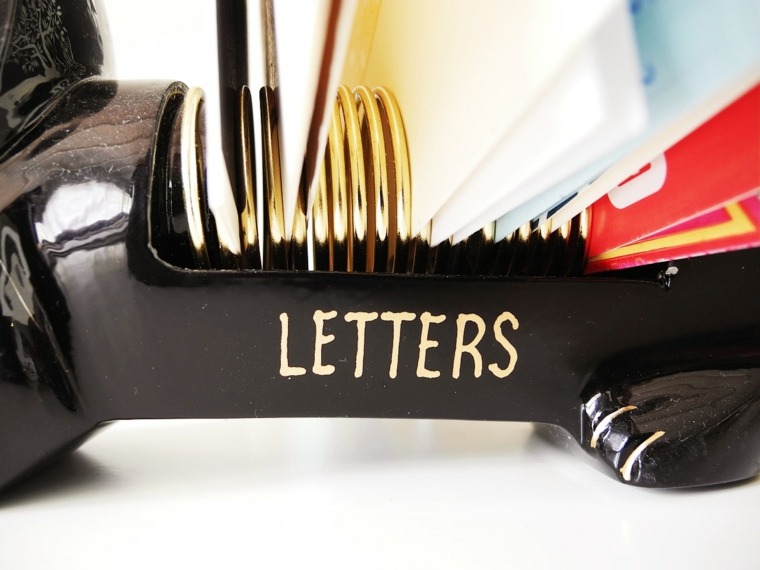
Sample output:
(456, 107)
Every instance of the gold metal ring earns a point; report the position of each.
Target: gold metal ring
(248, 225)
(275, 250)
(400, 194)
(376, 171)
(192, 169)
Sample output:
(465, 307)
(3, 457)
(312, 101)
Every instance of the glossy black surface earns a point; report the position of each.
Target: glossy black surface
(65, 196)
(116, 333)
(95, 327)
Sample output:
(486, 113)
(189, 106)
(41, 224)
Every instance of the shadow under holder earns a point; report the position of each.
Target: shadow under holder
(657, 377)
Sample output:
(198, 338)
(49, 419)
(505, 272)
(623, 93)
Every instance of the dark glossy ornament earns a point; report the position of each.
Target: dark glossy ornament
(46, 46)
(677, 416)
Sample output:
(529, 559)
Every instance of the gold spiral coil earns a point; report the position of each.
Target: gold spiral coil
(361, 218)
(362, 214)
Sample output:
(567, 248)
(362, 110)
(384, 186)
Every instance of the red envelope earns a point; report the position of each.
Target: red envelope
(717, 164)
(735, 226)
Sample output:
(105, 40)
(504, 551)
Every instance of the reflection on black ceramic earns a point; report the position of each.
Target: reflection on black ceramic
(30, 353)
(682, 429)
(46, 47)
(95, 327)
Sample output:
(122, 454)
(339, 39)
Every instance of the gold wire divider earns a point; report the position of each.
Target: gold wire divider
(350, 200)
(419, 250)
(481, 260)
(274, 246)
(192, 173)
(332, 216)
(248, 221)
(298, 247)
(209, 248)
(376, 172)
(400, 192)
(363, 178)
(321, 226)
(344, 188)
(361, 216)
(583, 221)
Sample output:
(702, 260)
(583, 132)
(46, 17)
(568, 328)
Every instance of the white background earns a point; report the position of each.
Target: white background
(345, 493)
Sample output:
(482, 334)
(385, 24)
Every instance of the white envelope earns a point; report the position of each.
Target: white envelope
(699, 56)
(595, 104)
